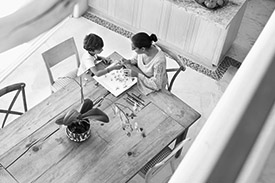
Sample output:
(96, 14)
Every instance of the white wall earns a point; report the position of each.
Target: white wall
(216, 136)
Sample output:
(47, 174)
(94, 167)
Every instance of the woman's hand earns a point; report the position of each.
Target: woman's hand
(130, 73)
(125, 61)
(134, 73)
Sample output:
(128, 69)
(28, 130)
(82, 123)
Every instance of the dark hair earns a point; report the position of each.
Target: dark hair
(142, 39)
(92, 42)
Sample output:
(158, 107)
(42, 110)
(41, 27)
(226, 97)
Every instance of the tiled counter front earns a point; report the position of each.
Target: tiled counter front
(202, 35)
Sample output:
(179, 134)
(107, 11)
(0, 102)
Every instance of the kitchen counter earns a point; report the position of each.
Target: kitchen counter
(222, 17)
(189, 29)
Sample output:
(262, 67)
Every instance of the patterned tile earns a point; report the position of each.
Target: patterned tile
(216, 74)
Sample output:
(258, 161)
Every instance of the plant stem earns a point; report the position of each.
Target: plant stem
(81, 89)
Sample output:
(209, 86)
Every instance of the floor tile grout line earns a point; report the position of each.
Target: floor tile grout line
(216, 74)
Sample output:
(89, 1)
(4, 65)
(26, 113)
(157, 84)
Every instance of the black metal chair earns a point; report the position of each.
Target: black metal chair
(16, 88)
(165, 157)
(177, 71)
(181, 67)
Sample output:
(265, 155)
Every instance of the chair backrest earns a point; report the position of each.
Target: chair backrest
(155, 169)
(16, 88)
(59, 53)
(181, 66)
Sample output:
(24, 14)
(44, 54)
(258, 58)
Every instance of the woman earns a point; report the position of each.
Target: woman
(151, 60)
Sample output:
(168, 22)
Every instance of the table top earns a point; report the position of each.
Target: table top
(35, 149)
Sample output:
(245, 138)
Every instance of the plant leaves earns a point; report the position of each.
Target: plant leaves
(96, 114)
(87, 105)
(71, 116)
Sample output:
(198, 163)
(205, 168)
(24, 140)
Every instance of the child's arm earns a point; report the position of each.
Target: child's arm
(104, 60)
(102, 72)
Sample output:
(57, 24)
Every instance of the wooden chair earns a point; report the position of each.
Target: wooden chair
(181, 66)
(16, 88)
(165, 157)
(55, 56)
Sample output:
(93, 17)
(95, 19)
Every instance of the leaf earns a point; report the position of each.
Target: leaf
(70, 117)
(101, 118)
(60, 119)
(87, 105)
(96, 114)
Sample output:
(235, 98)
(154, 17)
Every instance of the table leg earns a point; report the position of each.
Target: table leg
(180, 138)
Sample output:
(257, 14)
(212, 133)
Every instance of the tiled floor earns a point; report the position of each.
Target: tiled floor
(196, 89)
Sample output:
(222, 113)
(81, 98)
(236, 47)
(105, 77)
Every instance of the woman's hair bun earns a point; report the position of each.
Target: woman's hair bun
(143, 39)
(154, 37)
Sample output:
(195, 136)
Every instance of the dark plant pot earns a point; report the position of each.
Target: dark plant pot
(79, 132)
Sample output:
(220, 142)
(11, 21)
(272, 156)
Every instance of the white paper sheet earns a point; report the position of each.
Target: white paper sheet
(116, 82)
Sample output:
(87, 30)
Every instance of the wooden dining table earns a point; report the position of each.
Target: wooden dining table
(33, 148)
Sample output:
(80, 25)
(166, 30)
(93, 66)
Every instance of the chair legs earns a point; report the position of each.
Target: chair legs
(17, 88)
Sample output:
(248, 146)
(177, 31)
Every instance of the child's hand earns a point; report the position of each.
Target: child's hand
(117, 66)
(106, 61)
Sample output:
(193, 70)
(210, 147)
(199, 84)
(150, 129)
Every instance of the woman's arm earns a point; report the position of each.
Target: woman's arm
(132, 61)
(154, 82)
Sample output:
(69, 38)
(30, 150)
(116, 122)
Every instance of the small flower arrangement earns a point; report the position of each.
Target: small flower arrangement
(125, 115)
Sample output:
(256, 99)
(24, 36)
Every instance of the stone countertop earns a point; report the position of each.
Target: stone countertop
(222, 17)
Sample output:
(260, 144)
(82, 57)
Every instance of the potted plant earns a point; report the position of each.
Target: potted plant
(78, 122)
(212, 4)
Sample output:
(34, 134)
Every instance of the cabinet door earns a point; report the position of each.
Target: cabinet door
(196, 38)
(207, 41)
(180, 28)
(124, 10)
(101, 5)
(150, 16)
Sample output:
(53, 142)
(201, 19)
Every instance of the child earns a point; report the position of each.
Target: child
(93, 44)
